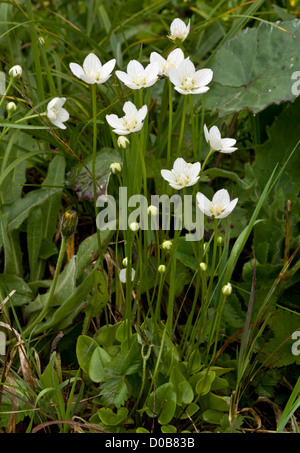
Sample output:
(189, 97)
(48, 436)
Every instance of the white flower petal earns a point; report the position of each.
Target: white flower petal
(134, 68)
(228, 209)
(107, 68)
(130, 109)
(87, 79)
(114, 121)
(91, 63)
(221, 197)
(168, 176)
(204, 76)
(203, 204)
(141, 114)
(76, 69)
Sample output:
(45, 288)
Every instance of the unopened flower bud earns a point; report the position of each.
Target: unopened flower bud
(125, 262)
(227, 289)
(15, 71)
(115, 167)
(68, 224)
(11, 108)
(220, 241)
(161, 269)
(203, 266)
(153, 210)
(205, 247)
(167, 245)
(123, 141)
(134, 226)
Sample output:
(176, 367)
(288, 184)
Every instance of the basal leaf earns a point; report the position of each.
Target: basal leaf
(254, 69)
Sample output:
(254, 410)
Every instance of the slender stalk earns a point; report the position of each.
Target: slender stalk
(94, 108)
(6, 91)
(172, 283)
(213, 264)
(170, 124)
(182, 125)
(193, 127)
(206, 160)
(40, 317)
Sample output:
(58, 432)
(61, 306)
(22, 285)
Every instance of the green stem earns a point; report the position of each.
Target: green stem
(218, 323)
(94, 108)
(193, 127)
(206, 160)
(213, 264)
(6, 91)
(182, 125)
(52, 289)
(170, 124)
(172, 283)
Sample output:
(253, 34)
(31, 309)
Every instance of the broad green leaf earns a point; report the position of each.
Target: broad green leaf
(204, 382)
(215, 402)
(109, 417)
(85, 348)
(162, 403)
(182, 387)
(107, 335)
(63, 315)
(259, 64)
(20, 209)
(99, 361)
(131, 356)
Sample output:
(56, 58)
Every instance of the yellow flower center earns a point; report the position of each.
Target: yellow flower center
(188, 83)
(216, 210)
(129, 123)
(139, 80)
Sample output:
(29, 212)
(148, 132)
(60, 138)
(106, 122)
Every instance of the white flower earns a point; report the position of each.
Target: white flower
(189, 81)
(132, 121)
(178, 30)
(92, 70)
(56, 113)
(183, 174)
(220, 206)
(213, 138)
(122, 275)
(15, 71)
(123, 142)
(137, 76)
(173, 60)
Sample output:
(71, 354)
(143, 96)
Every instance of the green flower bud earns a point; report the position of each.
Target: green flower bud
(68, 224)
(115, 167)
(167, 245)
(123, 142)
(11, 108)
(203, 266)
(125, 262)
(162, 269)
(15, 71)
(220, 241)
(227, 289)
